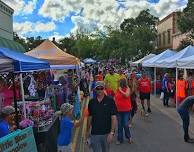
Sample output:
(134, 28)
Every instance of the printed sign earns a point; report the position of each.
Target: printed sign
(19, 141)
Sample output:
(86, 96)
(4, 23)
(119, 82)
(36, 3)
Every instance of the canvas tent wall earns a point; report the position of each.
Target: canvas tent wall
(54, 55)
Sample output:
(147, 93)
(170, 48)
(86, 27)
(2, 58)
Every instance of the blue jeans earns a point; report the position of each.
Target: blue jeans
(186, 120)
(123, 123)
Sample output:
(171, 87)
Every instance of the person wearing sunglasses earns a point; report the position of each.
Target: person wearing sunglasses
(101, 120)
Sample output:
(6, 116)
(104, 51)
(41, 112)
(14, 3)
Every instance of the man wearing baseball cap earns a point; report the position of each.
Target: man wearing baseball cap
(6, 118)
(102, 119)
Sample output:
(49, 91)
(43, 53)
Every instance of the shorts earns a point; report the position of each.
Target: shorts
(144, 96)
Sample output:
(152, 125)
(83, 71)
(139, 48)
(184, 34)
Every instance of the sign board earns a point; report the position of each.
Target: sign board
(19, 141)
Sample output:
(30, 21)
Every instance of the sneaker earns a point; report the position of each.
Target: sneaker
(149, 110)
(146, 114)
(190, 140)
(118, 142)
(130, 141)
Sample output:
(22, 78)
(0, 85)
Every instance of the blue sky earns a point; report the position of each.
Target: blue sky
(59, 18)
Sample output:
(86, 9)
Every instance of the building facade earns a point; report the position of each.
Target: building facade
(167, 27)
(6, 21)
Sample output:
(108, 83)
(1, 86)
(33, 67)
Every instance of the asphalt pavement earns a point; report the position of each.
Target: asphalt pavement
(159, 132)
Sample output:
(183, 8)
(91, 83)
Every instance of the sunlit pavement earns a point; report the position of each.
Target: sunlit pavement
(160, 132)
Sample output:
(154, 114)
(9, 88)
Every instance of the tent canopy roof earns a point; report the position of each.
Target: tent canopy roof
(171, 62)
(22, 62)
(54, 55)
(6, 64)
(152, 62)
(149, 56)
(89, 60)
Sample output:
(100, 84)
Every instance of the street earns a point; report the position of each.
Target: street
(156, 133)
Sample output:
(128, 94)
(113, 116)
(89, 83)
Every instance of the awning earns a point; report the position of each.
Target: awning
(22, 62)
(152, 62)
(149, 56)
(12, 45)
(171, 62)
(6, 64)
(55, 56)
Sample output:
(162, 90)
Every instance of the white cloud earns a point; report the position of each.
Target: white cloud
(92, 13)
(22, 28)
(103, 12)
(30, 27)
(21, 7)
(44, 27)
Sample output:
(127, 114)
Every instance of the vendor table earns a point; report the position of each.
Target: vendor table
(46, 139)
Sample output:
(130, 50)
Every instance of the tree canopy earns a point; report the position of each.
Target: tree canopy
(186, 19)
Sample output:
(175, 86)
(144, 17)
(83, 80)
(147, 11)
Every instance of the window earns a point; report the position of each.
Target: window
(169, 36)
(164, 38)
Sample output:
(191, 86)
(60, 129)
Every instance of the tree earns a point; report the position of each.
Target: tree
(140, 34)
(184, 43)
(186, 19)
(20, 40)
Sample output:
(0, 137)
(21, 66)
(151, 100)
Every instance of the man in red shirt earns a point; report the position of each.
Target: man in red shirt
(144, 85)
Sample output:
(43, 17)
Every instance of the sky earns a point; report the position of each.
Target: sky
(59, 18)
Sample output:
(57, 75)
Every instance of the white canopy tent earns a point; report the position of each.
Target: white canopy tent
(142, 59)
(186, 63)
(152, 61)
(171, 62)
(89, 61)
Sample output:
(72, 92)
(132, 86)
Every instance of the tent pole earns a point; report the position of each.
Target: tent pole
(15, 101)
(176, 88)
(22, 91)
(155, 81)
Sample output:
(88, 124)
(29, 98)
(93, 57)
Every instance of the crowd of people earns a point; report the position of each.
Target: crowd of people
(115, 95)
(113, 103)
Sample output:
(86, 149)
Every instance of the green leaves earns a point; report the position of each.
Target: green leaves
(186, 19)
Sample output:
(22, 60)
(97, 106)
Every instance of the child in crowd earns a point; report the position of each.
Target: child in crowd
(66, 126)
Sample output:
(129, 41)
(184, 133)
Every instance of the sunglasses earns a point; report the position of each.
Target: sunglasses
(100, 88)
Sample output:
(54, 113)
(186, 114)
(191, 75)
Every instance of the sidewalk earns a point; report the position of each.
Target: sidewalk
(171, 112)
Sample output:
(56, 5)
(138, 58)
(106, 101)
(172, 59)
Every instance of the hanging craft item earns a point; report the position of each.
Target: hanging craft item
(31, 87)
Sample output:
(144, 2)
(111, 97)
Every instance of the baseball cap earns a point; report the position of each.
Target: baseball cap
(65, 108)
(8, 110)
(99, 84)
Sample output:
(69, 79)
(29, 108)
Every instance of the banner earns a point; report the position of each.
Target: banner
(19, 141)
